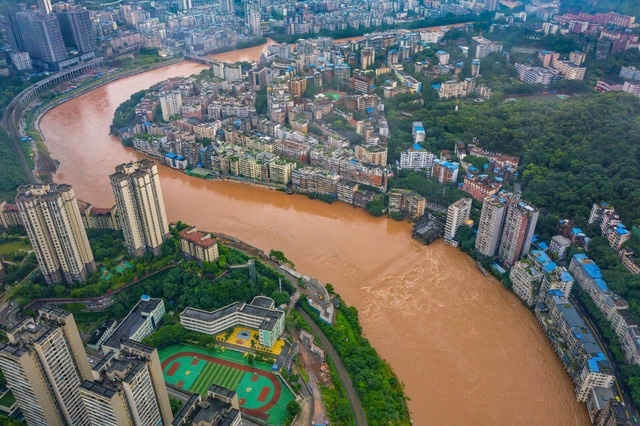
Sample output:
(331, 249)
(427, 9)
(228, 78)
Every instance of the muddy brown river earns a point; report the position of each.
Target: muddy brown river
(466, 349)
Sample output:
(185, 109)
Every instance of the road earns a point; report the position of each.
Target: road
(628, 410)
(354, 401)
(9, 123)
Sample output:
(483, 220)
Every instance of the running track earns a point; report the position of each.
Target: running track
(255, 412)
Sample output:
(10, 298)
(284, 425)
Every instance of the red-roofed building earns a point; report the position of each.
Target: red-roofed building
(198, 245)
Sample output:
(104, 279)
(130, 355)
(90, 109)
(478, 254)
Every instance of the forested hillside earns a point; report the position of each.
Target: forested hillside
(574, 152)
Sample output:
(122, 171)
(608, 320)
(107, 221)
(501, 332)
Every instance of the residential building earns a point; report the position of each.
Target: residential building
(405, 201)
(559, 279)
(630, 73)
(98, 218)
(445, 171)
(490, 225)
(517, 231)
(480, 187)
(143, 219)
(456, 88)
(526, 280)
(198, 245)
(482, 47)
(457, 215)
(367, 57)
(44, 364)
(559, 245)
(141, 321)
(346, 190)
(77, 30)
(170, 103)
(252, 17)
(598, 211)
(373, 154)
(260, 314)
(475, 68)
(536, 75)
(577, 57)
(127, 389)
(42, 39)
(51, 217)
(569, 70)
(443, 57)
(548, 57)
(632, 87)
(418, 132)
(9, 215)
(219, 406)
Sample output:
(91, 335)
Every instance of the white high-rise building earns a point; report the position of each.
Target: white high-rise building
(170, 103)
(143, 219)
(252, 18)
(53, 223)
(417, 158)
(184, 4)
(227, 6)
(490, 225)
(44, 364)
(457, 215)
(517, 232)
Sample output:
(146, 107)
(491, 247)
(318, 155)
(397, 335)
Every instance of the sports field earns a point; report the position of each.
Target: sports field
(261, 393)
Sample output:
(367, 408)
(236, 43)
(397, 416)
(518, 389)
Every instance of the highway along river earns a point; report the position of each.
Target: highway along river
(468, 352)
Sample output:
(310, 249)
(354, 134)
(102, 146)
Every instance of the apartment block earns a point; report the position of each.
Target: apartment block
(51, 217)
(171, 104)
(445, 171)
(598, 211)
(127, 389)
(456, 88)
(526, 280)
(9, 215)
(373, 154)
(559, 279)
(548, 57)
(97, 217)
(44, 364)
(219, 407)
(138, 194)
(480, 187)
(569, 70)
(517, 231)
(457, 215)
(482, 47)
(418, 132)
(409, 202)
(559, 245)
(417, 158)
(198, 245)
(490, 225)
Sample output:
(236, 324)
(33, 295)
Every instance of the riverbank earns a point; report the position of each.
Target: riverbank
(466, 349)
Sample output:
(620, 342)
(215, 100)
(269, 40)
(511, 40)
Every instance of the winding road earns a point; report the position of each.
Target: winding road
(354, 400)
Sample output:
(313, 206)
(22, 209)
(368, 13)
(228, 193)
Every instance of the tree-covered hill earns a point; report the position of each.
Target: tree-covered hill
(574, 152)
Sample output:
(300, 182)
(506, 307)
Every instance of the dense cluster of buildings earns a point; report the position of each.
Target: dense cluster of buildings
(612, 228)
(56, 222)
(47, 368)
(506, 227)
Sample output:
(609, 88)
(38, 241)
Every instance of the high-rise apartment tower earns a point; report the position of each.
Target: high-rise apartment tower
(53, 223)
(143, 219)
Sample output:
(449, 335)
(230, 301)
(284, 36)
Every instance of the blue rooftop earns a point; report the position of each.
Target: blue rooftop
(417, 146)
(565, 276)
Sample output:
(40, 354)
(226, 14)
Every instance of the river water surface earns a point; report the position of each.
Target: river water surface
(467, 350)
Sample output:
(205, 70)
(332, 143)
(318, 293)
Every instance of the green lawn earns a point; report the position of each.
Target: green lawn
(11, 246)
(221, 375)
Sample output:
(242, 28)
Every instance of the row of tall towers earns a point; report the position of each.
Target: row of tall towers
(51, 217)
(46, 367)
